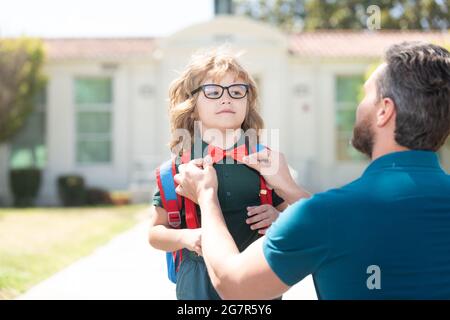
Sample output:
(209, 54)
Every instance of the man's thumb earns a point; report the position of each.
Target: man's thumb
(207, 161)
(251, 161)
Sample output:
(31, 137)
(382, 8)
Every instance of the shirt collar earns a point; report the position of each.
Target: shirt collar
(403, 159)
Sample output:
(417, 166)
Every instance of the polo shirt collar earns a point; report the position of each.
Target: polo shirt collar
(403, 159)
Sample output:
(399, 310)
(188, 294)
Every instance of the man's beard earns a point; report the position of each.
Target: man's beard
(363, 137)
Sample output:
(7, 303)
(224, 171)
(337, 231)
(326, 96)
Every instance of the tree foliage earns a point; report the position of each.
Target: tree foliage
(296, 15)
(21, 79)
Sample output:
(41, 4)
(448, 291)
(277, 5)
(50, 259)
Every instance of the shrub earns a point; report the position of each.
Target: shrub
(24, 184)
(71, 190)
(98, 196)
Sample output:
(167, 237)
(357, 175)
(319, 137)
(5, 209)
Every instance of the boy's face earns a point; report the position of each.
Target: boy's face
(225, 112)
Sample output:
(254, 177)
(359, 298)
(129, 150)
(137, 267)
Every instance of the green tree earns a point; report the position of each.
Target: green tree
(292, 15)
(286, 14)
(21, 79)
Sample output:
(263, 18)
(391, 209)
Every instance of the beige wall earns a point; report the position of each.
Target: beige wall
(61, 130)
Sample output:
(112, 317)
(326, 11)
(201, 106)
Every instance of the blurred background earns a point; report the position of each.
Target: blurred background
(84, 88)
(99, 118)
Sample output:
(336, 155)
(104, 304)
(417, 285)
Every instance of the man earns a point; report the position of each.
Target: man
(386, 235)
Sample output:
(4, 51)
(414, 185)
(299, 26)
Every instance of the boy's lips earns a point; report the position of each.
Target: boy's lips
(225, 111)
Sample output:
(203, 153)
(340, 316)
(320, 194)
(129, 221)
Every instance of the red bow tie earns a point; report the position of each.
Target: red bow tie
(217, 154)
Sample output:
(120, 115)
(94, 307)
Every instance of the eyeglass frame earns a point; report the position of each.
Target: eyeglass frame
(202, 88)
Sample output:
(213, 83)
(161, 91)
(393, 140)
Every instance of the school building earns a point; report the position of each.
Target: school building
(103, 114)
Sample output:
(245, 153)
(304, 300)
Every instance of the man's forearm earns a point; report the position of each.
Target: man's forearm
(292, 193)
(218, 245)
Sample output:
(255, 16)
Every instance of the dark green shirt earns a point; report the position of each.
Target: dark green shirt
(239, 188)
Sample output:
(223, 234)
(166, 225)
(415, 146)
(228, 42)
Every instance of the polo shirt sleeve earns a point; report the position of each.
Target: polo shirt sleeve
(297, 243)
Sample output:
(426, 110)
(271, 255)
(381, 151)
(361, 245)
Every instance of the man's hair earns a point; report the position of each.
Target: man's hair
(417, 79)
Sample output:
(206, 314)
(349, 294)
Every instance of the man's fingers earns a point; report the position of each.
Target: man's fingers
(180, 190)
(257, 209)
(198, 250)
(198, 162)
(252, 161)
(262, 231)
(207, 161)
(182, 168)
(258, 160)
(262, 224)
(255, 219)
(259, 217)
(262, 155)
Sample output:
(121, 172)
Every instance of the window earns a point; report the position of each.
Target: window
(27, 147)
(348, 90)
(93, 100)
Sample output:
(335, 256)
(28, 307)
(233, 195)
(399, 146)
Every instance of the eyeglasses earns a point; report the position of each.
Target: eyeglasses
(215, 91)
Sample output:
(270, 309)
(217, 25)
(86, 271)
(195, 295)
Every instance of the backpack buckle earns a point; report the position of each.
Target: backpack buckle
(174, 218)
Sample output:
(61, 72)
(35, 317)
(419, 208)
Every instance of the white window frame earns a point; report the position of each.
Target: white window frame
(94, 107)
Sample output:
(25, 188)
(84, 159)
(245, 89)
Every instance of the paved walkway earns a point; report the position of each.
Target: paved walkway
(125, 268)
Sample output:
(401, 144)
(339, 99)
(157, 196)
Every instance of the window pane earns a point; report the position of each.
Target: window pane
(345, 150)
(348, 88)
(93, 151)
(93, 90)
(345, 120)
(28, 157)
(32, 132)
(94, 122)
(348, 91)
(40, 153)
(21, 158)
(41, 97)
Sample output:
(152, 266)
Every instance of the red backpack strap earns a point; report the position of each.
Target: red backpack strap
(265, 194)
(190, 210)
(170, 200)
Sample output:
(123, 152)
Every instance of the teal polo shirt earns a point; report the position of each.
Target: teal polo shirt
(384, 236)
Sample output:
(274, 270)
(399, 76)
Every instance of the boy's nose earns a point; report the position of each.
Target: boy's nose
(226, 98)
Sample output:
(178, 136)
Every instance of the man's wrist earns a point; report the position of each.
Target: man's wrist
(206, 196)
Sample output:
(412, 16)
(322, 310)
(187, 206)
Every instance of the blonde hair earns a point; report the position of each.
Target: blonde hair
(214, 63)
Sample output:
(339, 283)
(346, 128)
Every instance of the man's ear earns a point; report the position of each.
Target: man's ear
(386, 112)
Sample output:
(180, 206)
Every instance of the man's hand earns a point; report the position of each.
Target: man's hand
(195, 178)
(261, 217)
(272, 165)
(192, 239)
